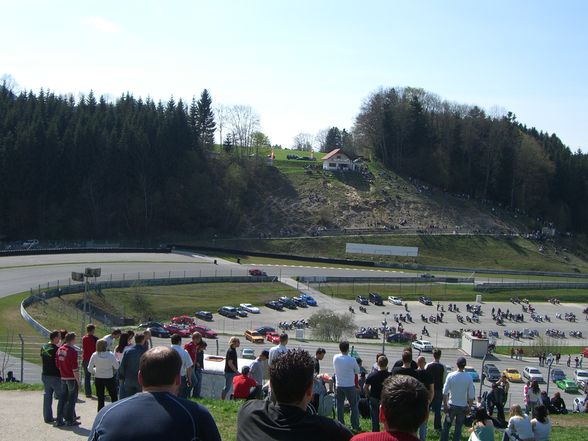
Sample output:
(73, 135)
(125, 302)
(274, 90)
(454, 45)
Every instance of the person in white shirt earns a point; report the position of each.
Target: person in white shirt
(109, 339)
(278, 350)
(541, 424)
(458, 397)
(103, 365)
(186, 370)
(519, 426)
(346, 371)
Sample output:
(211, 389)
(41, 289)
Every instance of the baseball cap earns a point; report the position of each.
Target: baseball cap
(461, 361)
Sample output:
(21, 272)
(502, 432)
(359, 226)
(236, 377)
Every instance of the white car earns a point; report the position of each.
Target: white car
(395, 300)
(533, 374)
(422, 345)
(249, 308)
(581, 377)
(248, 354)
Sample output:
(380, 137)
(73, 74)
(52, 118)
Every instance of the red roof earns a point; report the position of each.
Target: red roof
(331, 154)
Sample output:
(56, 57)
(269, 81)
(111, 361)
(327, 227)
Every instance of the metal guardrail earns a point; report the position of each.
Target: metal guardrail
(529, 285)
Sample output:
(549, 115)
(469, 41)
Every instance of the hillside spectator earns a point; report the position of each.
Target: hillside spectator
(533, 396)
(186, 369)
(278, 350)
(244, 385)
(375, 367)
(373, 389)
(192, 348)
(406, 367)
(504, 384)
(103, 365)
(10, 378)
(424, 377)
(437, 371)
(50, 375)
(519, 426)
(88, 348)
(257, 370)
(558, 405)
(482, 426)
(123, 345)
(346, 372)
(147, 341)
(495, 399)
(399, 363)
(404, 408)
(129, 368)
(231, 368)
(458, 397)
(291, 380)
(67, 363)
(197, 393)
(157, 413)
(541, 424)
(111, 339)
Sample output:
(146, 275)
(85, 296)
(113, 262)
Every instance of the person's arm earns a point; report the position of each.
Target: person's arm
(115, 363)
(446, 395)
(75, 367)
(91, 364)
(431, 393)
(122, 366)
(471, 394)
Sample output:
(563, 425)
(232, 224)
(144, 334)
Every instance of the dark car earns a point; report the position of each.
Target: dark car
(263, 330)
(151, 325)
(228, 311)
(241, 312)
(362, 300)
(159, 331)
(401, 337)
(204, 315)
(288, 303)
(367, 333)
(426, 300)
(376, 299)
(491, 372)
(300, 302)
(278, 306)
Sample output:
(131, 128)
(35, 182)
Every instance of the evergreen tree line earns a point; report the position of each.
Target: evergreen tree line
(465, 151)
(89, 168)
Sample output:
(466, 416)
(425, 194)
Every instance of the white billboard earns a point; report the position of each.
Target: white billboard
(381, 250)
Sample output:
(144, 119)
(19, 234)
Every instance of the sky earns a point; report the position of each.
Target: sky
(308, 65)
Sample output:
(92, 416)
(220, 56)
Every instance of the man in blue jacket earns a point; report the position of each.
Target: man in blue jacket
(129, 368)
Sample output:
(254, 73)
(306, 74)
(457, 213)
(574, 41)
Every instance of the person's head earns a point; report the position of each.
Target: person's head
(116, 333)
(90, 329)
(378, 355)
(406, 357)
(535, 386)
(320, 353)
(481, 415)
(234, 342)
(284, 339)
(264, 355)
(344, 346)
(515, 410)
(139, 339)
(70, 338)
(557, 395)
(176, 339)
(62, 334)
(101, 345)
(9, 374)
(159, 369)
(147, 334)
(461, 363)
(421, 362)
(245, 371)
(196, 338)
(540, 413)
(404, 404)
(382, 362)
(123, 342)
(203, 346)
(291, 377)
(131, 334)
(437, 354)
(54, 337)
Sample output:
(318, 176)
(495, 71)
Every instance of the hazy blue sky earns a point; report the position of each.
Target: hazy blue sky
(307, 65)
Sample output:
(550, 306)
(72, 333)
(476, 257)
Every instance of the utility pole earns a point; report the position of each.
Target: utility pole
(385, 324)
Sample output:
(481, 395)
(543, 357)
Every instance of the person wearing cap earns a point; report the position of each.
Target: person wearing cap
(458, 397)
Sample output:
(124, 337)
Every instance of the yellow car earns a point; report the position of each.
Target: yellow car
(513, 375)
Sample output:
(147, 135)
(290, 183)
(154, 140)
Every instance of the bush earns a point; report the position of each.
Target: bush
(330, 326)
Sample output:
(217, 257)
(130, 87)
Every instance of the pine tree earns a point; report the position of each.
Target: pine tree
(205, 125)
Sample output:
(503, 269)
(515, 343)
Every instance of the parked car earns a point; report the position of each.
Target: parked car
(585, 352)
(491, 372)
(299, 302)
(362, 300)
(273, 337)
(181, 330)
(263, 330)
(248, 354)
(533, 374)
(257, 272)
(401, 337)
(566, 385)
(310, 301)
(557, 374)
(513, 375)
(581, 377)
(159, 331)
(253, 336)
(427, 276)
(278, 306)
(241, 312)
(376, 299)
(395, 300)
(204, 330)
(249, 308)
(422, 345)
(426, 300)
(228, 311)
(287, 302)
(204, 315)
(183, 320)
(473, 373)
(151, 325)
(367, 333)
(31, 243)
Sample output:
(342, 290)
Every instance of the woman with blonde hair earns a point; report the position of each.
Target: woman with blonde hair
(519, 426)
(231, 368)
(103, 365)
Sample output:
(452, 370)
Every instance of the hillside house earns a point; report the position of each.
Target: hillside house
(338, 160)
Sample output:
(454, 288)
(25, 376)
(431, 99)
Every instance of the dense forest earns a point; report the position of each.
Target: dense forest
(89, 168)
(465, 151)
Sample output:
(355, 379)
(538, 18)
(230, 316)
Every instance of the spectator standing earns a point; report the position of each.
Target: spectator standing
(129, 368)
(244, 385)
(533, 396)
(147, 341)
(278, 350)
(231, 368)
(50, 375)
(291, 380)
(458, 396)
(541, 424)
(482, 426)
(404, 407)
(375, 367)
(406, 367)
(504, 384)
(399, 363)
(519, 426)
(111, 339)
(103, 365)
(157, 413)
(373, 389)
(346, 371)
(186, 369)
(437, 372)
(67, 363)
(192, 348)
(88, 348)
(424, 377)
(257, 369)
(495, 399)
(123, 344)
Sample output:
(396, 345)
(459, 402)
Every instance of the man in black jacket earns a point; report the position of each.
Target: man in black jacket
(129, 368)
(50, 376)
(291, 381)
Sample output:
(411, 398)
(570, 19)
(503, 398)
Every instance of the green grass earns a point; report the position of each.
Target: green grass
(21, 386)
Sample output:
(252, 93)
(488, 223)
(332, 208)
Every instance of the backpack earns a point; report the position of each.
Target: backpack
(326, 405)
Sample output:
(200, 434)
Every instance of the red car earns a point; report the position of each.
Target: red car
(183, 320)
(182, 331)
(273, 337)
(257, 272)
(585, 352)
(205, 331)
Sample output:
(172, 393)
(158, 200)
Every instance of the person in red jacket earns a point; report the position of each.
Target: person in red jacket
(67, 363)
(88, 348)
(244, 385)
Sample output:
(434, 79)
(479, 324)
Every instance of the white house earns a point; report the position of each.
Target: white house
(338, 160)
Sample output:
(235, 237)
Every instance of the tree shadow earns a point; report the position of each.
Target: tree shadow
(353, 179)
